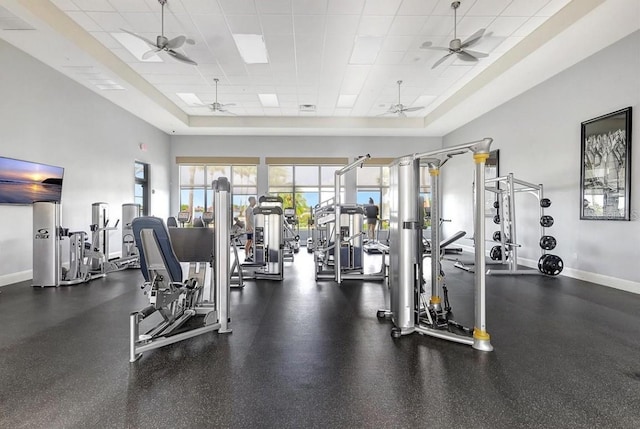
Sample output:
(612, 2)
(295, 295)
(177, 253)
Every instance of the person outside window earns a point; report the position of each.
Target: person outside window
(248, 220)
(371, 212)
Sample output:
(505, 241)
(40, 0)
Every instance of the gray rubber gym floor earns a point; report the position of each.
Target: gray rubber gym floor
(307, 354)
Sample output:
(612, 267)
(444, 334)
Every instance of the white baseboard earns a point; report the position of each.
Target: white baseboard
(613, 282)
(12, 278)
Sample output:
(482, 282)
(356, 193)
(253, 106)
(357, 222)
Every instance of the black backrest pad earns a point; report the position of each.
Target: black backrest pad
(164, 242)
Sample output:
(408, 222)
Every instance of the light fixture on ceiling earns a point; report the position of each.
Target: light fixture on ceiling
(456, 46)
(163, 44)
(136, 47)
(365, 50)
(346, 100)
(190, 98)
(252, 48)
(400, 109)
(269, 100)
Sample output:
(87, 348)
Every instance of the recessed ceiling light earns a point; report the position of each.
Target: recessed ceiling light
(136, 46)
(190, 98)
(269, 100)
(365, 49)
(345, 100)
(252, 48)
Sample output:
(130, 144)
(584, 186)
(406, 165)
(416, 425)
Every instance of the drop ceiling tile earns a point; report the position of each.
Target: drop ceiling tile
(341, 112)
(172, 6)
(470, 24)
(133, 6)
(444, 8)
(272, 111)
(175, 79)
(254, 111)
(455, 71)
(84, 21)
(309, 7)
(407, 25)
(287, 98)
(258, 69)
(238, 7)
(353, 7)
(106, 39)
(139, 22)
(397, 43)
(108, 21)
(94, 5)
(437, 26)
(373, 25)
(524, 7)
(529, 26)
(244, 24)
(381, 7)
(507, 44)
(417, 7)
(354, 78)
(212, 70)
(274, 6)
(488, 7)
(200, 54)
(341, 24)
(389, 57)
(276, 24)
(552, 7)
(198, 7)
(308, 24)
(504, 26)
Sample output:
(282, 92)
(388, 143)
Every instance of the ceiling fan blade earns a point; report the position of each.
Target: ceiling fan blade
(472, 39)
(228, 104)
(144, 39)
(190, 42)
(476, 53)
(176, 42)
(466, 56)
(412, 109)
(441, 60)
(150, 53)
(178, 56)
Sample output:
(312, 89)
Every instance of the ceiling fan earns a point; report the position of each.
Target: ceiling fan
(164, 44)
(400, 108)
(456, 46)
(218, 107)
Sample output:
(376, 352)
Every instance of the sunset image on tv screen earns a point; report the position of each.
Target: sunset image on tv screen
(23, 182)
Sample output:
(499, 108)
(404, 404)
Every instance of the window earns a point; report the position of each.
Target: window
(196, 194)
(302, 187)
(141, 187)
(373, 182)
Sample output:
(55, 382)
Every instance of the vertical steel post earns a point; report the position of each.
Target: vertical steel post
(436, 278)
(221, 248)
(481, 338)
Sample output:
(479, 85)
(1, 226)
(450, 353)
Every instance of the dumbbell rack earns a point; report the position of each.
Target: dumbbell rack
(506, 252)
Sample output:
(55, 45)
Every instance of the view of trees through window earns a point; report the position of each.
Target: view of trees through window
(196, 194)
(302, 187)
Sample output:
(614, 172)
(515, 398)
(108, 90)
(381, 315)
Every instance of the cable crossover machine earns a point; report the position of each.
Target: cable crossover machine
(410, 311)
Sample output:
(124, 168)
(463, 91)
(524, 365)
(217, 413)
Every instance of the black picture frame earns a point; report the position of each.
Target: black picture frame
(605, 171)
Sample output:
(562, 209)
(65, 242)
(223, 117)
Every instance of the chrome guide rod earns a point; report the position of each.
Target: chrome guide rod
(338, 176)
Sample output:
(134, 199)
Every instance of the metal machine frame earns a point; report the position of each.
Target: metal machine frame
(408, 311)
(177, 301)
(338, 237)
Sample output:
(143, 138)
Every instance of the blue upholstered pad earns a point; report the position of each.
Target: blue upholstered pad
(164, 242)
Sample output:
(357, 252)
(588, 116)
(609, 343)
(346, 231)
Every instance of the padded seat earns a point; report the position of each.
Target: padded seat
(163, 241)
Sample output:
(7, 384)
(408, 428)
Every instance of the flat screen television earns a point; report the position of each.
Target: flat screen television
(23, 182)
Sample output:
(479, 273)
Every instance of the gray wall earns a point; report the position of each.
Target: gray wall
(303, 146)
(46, 117)
(538, 134)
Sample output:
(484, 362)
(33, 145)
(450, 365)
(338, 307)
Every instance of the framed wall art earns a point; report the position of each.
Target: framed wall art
(605, 174)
